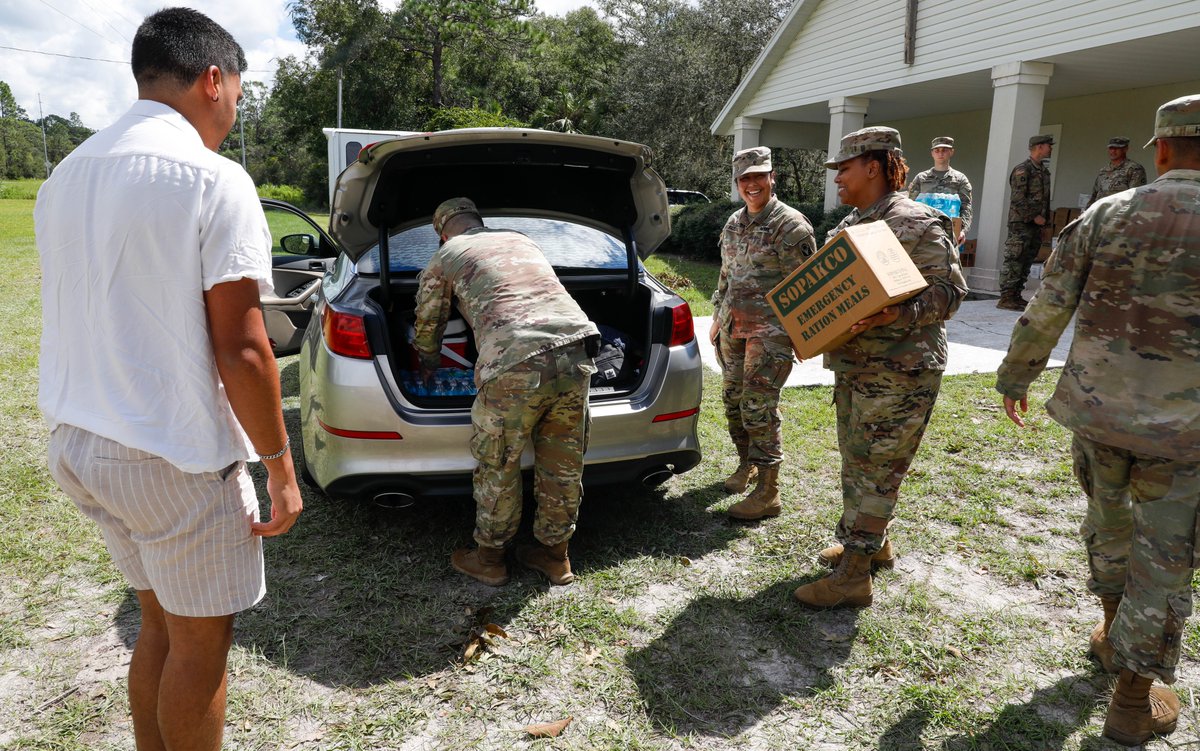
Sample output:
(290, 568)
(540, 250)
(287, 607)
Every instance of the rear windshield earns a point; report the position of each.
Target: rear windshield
(565, 244)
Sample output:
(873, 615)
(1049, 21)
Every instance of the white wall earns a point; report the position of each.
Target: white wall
(853, 47)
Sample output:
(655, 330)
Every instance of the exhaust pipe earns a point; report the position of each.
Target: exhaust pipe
(394, 500)
(656, 477)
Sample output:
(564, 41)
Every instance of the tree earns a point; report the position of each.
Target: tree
(681, 64)
(435, 29)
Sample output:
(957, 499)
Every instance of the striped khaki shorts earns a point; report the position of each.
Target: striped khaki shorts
(186, 536)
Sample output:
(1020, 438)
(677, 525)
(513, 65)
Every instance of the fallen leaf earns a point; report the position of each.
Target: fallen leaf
(495, 630)
(955, 652)
(590, 656)
(471, 650)
(684, 560)
(549, 729)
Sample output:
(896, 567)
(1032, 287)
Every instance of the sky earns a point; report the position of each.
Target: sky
(74, 54)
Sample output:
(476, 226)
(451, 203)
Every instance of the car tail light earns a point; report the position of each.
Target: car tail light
(667, 416)
(346, 334)
(682, 328)
(368, 435)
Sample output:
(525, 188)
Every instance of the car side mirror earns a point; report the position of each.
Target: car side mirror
(298, 245)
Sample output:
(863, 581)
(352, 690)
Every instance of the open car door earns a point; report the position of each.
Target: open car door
(301, 253)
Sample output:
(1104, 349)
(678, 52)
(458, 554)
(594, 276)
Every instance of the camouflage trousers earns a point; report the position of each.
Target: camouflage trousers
(1140, 532)
(881, 418)
(543, 399)
(753, 373)
(1020, 251)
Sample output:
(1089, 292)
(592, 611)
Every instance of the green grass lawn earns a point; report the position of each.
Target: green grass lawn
(678, 634)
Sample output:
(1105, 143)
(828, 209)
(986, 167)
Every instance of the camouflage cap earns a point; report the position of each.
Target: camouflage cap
(1038, 140)
(451, 208)
(1177, 118)
(877, 138)
(749, 161)
(1118, 142)
(942, 142)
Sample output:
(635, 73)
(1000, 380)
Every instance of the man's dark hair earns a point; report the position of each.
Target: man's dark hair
(1185, 147)
(178, 44)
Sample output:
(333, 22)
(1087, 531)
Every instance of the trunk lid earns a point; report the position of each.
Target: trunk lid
(602, 182)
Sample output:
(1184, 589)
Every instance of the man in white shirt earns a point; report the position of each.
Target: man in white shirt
(156, 375)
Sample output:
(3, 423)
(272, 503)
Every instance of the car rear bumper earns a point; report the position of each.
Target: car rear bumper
(649, 470)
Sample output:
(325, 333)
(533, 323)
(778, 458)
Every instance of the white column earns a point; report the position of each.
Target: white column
(746, 132)
(1019, 89)
(846, 115)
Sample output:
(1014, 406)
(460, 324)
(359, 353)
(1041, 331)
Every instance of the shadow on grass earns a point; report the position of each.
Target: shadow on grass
(1046, 722)
(359, 595)
(725, 663)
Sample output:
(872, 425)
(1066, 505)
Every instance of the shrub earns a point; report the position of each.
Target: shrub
(25, 189)
(696, 228)
(288, 193)
(453, 118)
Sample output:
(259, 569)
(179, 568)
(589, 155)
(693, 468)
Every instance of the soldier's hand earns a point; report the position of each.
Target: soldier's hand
(962, 237)
(1039, 220)
(426, 373)
(1010, 409)
(712, 332)
(885, 317)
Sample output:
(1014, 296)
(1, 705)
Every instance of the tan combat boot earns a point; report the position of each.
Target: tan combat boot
(1010, 301)
(484, 564)
(1101, 647)
(550, 560)
(1140, 711)
(742, 476)
(848, 586)
(764, 501)
(885, 558)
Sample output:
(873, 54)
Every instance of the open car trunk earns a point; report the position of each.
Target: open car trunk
(623, 319)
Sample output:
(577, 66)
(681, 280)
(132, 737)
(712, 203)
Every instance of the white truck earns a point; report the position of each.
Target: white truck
(343, 145)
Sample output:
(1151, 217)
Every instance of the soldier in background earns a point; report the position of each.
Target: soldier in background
(1120, 174)
(1129, 270)
(886, 378)
(533, 373)
(761, 244)
(942, 178)
(1028, 212)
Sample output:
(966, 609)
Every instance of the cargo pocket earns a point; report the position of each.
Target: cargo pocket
(1179, 607)
(487, 439)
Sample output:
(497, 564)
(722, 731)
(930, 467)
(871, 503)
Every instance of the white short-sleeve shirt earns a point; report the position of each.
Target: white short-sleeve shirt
(132, 228)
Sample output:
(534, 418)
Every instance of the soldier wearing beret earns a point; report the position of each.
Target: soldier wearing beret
(1028, 212)
(942, 178)
(886, 378)
(761, 244)
(1120, 174)
(1128, 270)
(533, 374)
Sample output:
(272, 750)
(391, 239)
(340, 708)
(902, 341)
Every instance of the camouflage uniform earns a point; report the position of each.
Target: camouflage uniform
(757, 252)
(1030, 184)
(1128, 174)
(533, 374)
(886, 379)
(951, 181)
(1129, 271)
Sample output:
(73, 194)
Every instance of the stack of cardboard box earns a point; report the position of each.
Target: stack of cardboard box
(1061, 217)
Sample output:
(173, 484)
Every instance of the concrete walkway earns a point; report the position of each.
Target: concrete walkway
(978, 336)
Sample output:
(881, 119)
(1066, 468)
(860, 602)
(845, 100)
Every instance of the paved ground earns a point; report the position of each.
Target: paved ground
(978, 336)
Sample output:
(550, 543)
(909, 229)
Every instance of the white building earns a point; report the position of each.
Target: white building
(989, 73)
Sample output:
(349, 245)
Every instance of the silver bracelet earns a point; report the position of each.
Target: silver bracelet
(286, 442)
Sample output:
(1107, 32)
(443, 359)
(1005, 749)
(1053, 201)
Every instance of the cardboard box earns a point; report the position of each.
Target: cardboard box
(967, 254)
(855, 275)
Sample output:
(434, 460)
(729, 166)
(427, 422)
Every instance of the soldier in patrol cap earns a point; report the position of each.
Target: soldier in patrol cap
(942, 178)
(1120, 173)
(761, 244)
(886, 378)
(1128, 270)
(1028, 212)
(533, 373)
